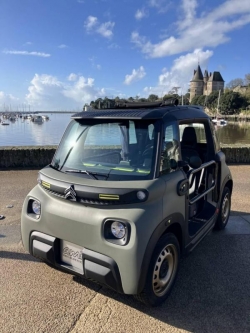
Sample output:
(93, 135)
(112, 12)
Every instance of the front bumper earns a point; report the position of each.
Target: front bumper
(96, 266)
(82, 226)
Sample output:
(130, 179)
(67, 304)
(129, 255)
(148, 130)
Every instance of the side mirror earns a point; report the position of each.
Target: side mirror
(195, 162)
(173, 164)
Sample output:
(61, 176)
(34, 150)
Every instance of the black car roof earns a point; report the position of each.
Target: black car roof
(175, 112)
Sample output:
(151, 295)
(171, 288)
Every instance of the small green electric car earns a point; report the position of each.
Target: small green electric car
(129, 191)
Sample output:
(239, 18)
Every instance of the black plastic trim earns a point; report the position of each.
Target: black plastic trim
(110, 237)
(90, 194)
(182, 187)
(176, 218)
(110, 278)
(96, 266)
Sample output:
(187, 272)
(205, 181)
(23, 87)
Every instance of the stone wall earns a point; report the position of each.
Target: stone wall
(38, 157)
(26, 157)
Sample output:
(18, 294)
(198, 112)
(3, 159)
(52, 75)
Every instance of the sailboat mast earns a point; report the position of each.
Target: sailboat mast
(218, 105)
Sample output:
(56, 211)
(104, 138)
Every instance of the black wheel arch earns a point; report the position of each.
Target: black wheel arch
(166, 226)
(228, 182)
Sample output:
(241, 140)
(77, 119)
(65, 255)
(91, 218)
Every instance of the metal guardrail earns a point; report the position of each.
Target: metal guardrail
(194, 171)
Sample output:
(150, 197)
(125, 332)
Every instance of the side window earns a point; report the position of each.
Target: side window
(170, 149)
(132, 134)
(150, 131)
(199, 130)
(193, 140)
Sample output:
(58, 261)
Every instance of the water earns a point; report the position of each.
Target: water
(234, 133)
(24, 132)
(27, 133)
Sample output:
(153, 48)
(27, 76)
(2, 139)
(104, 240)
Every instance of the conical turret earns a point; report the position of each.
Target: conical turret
(198, 76)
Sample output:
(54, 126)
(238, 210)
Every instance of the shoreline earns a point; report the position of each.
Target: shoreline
(20, 157)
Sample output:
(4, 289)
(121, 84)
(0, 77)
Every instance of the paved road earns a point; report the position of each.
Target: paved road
(212, 292)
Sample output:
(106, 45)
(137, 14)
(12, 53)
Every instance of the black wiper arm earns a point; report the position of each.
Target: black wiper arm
(89, 173)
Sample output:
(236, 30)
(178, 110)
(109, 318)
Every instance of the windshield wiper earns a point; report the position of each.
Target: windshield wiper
(89, 173)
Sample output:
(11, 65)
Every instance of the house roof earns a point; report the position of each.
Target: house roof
(198, 76)
(216, 76)
(205, 73)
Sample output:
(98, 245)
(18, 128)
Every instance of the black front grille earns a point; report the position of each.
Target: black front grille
(88, 201)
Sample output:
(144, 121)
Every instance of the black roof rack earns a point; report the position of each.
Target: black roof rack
(140, 105)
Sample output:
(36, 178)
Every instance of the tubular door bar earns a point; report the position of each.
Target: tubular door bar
(203, 166)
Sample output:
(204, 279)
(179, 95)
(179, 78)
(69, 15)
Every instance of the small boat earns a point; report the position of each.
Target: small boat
(37, 119)
(45, 117)
(5, 123)
(219, 121)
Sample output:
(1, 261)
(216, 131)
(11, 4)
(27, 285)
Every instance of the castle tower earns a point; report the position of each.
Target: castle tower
(196, 84)
(215, 82)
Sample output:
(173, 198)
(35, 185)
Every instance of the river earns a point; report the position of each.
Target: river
(27, 133)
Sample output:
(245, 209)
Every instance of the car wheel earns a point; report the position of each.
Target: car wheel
(162, 271)
(224, 212)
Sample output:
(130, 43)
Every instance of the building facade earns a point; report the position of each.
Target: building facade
(205, 84)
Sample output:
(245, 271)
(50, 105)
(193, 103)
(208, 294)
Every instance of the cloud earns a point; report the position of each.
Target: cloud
(105, 29)
(47, 92)
(34, 53)
(137, 74)
(6, 100)
(180, 73)
(162, 5)
(62, 46)
(90, 23)
(114, 46)
(72, 77)
(27, 43)
(140, 13)
(209, 30)
(93, 63)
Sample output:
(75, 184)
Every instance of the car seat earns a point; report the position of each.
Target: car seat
(189, 146)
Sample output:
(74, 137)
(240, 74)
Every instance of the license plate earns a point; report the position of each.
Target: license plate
(71, 254)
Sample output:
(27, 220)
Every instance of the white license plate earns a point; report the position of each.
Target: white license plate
(71, 254)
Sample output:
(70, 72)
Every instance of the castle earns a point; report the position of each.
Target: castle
(205, 85)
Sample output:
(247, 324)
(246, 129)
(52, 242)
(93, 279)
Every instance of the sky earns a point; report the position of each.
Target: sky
(60, 54)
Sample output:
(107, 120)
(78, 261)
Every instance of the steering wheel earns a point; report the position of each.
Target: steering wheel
(148, 151)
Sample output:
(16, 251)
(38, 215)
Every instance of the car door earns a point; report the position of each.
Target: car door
(197, 144)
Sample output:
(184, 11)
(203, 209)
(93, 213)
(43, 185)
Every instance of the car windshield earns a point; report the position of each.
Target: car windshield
(113, 150)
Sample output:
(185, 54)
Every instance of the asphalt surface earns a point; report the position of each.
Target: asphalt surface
(212, 292)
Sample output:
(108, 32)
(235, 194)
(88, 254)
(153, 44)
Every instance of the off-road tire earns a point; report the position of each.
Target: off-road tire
(162, 271)
(224, 210)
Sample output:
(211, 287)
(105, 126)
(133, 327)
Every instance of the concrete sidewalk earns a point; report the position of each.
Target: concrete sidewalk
(211, 294)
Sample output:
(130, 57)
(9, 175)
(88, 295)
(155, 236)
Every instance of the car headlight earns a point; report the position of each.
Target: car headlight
(118, 229)
(36, 207)
(141, 195)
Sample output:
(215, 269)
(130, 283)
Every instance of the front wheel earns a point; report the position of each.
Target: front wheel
(162, 271)
(224, 212)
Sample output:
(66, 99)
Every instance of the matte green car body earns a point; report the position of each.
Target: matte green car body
(121, 267)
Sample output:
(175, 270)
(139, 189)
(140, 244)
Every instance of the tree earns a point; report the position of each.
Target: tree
(232, 102)
(247, 79)
(235, 82)
(195, 100)
(175, 90)
(212, 100)
(152, 98)
(201, 100)
(168, 96)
